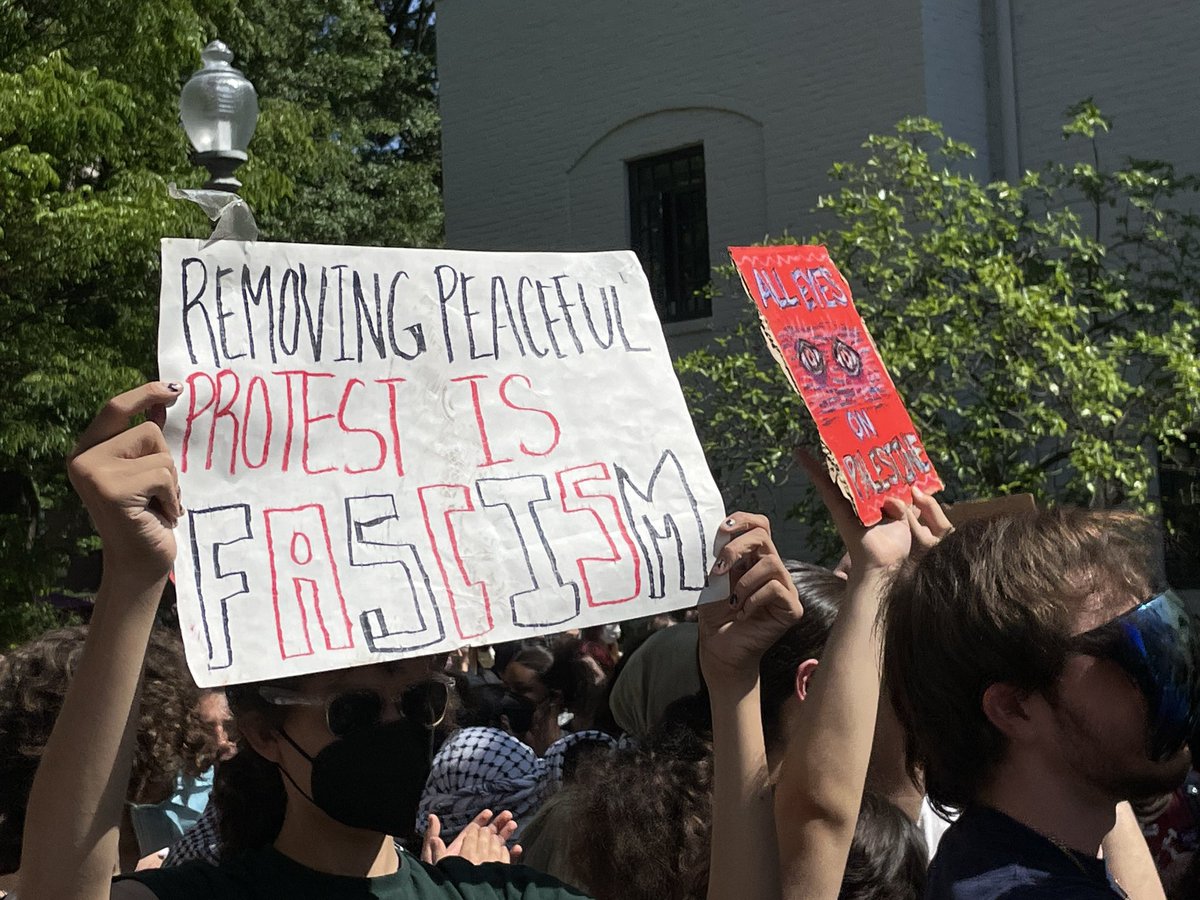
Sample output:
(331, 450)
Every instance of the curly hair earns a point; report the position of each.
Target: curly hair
(171, 738)
(643, 821)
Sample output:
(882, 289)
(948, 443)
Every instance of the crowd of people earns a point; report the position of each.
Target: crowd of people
(999, 710)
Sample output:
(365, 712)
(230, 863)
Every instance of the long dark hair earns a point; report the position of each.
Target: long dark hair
(888, 857)
(821, 594)
(248, 789)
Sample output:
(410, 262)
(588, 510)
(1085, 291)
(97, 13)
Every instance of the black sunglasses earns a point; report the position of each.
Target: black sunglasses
(424, 703)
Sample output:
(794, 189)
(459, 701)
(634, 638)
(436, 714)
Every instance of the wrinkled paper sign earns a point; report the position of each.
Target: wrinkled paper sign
(388, 453)
(809, 321)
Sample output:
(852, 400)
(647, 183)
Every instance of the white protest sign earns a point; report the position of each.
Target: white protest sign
(388, 453)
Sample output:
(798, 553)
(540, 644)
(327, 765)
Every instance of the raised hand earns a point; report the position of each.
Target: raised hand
(127, 480)
(881, 546)
(485, 839)
(927, 523)
(926, 520)
(763, 604)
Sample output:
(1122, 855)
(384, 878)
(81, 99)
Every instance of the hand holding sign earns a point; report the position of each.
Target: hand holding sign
(127, 480)
(810, 323)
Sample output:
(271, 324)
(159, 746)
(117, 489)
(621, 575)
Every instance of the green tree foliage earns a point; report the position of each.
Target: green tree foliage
(1044, 334)
(347, 150)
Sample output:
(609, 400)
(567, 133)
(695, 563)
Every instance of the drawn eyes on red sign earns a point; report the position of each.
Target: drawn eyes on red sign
(809, 356)
(847, 357)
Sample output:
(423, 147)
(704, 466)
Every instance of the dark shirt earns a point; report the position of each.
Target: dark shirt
(269, 875)
(986, 855)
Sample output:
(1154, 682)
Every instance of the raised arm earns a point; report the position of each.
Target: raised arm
(887, 772)
(1128, 858)
(821, 780)
(127, 481)
(733, 638)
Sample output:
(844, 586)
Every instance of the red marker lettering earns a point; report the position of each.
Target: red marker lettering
(193, 413)
(223, 412)
(391, 388)
(341, 419)
(488, 459)
(533, 409)
(259, 382)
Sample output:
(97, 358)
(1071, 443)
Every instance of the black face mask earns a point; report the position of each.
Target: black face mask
(372, 778)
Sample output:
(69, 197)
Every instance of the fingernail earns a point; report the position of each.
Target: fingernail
(733, 599)
(174, 387)
(730, 523)
(719, 567)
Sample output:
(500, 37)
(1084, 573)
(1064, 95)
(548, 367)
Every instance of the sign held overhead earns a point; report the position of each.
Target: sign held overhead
(809, 321)
(391, 453)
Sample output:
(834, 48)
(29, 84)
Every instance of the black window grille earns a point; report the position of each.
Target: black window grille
(669, 231)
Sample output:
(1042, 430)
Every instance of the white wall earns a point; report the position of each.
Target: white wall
(1139, 61)
(543, 101)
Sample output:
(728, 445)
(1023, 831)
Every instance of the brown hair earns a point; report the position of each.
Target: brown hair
(640, 829)
(248, 789)
(888, 856)
(996, 601)
(171, 738)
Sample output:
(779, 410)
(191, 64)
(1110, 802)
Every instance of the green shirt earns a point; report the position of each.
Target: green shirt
(267, 873)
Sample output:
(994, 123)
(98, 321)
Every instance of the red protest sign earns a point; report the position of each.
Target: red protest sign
(809, 320)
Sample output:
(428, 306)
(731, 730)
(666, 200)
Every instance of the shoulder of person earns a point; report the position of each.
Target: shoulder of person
(498, 880)
(188, 881)
(1016, 883)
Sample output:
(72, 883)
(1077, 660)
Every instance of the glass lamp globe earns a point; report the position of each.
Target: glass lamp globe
(219, 109)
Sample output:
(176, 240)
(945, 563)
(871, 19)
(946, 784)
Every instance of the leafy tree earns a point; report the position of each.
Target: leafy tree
(347, 150)
(1044, 334)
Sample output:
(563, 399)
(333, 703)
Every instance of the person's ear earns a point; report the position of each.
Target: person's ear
(1009, 709)
(262, 738)
(804, 672)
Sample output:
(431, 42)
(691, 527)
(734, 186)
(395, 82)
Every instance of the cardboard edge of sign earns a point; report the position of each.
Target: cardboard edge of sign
(1006, 505)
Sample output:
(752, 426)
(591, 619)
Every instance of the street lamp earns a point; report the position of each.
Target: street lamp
(219, 109)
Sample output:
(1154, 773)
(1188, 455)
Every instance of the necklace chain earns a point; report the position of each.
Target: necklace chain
(1068, 853)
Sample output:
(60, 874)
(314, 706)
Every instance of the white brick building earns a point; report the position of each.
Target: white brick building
(544, 102)
(549, 106)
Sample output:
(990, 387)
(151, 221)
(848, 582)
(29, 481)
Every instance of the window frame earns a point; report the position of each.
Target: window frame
(664, 210)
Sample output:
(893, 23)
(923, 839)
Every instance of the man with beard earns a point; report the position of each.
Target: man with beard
(1043, 682)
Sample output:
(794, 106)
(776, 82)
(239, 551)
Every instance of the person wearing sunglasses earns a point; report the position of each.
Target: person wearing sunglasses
(1043, 679)
(329, 767)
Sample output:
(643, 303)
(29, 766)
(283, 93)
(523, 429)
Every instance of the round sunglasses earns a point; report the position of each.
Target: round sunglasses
(424, 703)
